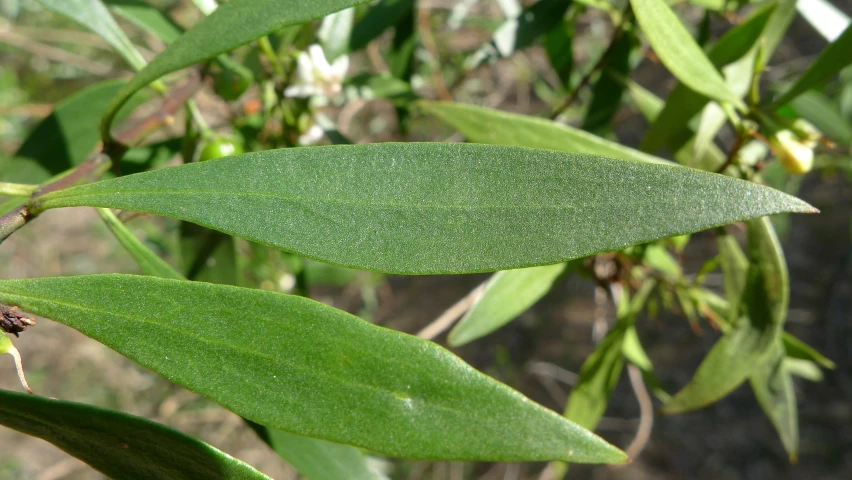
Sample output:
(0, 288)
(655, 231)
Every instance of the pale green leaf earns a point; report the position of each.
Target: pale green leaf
(795, 348)
(422, 208)
(679, 52)
(300, 366)
(93, 15)
(321, 460)
(147, 17)
(233, 24)
(121, 446)
(147, 260)
(507, 294)
(773, 388)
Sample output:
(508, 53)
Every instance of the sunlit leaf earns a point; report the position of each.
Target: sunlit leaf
(421, 208)
(148, 18)
(836, 56)
(300, 366)
(118, 445)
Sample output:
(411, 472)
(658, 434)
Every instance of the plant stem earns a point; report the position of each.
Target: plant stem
(269, 52)
(17, 189)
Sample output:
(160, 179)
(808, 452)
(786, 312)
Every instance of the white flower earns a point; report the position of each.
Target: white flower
(314, 75)
(311, 136)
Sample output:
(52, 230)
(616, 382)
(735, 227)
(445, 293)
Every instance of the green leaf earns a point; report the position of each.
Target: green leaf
(683, 103)
(795, 348)
(823, 113)
(300, 366)
(334, 33)
(734, 271)
(521, 31)
(148, 18)
(233, 24)
(773, 388)
(598, 377)
(836, 56)
(321, 460)
(378, 19)
(743, 348)
(148, 261)
(64, 138)
(635, 354)
(607, 90)
(118, 445)
(423, 208)
(93, 15)
(488, 125)
(508, 294)
(679, 52)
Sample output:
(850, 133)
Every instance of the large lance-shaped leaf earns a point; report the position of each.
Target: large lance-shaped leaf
(744, 348)
(233, 24)
(508, 294)
(93, 15)
(300, 366)
(488, 125)
(118, 445)
(425, 208)
(679, 52)
(834, 58)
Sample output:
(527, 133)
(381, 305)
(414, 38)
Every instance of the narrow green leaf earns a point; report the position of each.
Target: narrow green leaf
(148, 261)
(635, 354)
(795, 348)
(773, 388)
(734, 272)
(836, 56)
(776, 28)
(803, 369)
(679, 52)
(823, 113)
(378, 19)
(671, 127)
(422, 208)
(598, 377)
(93, 15)
(148, 18)
(521, 31)
(743, 348)
(488, 125)
(560, 50)
(321, 460)
(64, 138)
(334, 33)
(300, 366)
(233, 24)
(508, 294)
(607, 91)
(118, 445)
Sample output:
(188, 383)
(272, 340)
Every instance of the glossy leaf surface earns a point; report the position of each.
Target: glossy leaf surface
(300, 366)
(118, 445)
(422, 208)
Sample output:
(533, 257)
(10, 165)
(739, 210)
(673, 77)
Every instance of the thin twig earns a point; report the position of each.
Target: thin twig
(616, 35)
(646, 413)
(19, 367)
(452, 314)
(429, 44)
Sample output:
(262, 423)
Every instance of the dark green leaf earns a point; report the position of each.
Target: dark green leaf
(773, 388)
(607, 90)
(119, 445)
(148, 18)
(147, 260)
(487, 125)
(560, 50)
(297, 365)
(508, 294)
(93, 15)
(836, 56)
(233, 24)
(679, 52)
(378, 19)
(421, 208)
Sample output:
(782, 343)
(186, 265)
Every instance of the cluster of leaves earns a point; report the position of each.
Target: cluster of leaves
(527, 198)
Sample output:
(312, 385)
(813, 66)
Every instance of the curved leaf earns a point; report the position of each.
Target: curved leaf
(508, 294)
(233, 24)
(148, 18)
(93, 15)
(487, 125)
(773, 388)
(679, 52)
(119, 445)
(422, 208)
(836, 56)
(300, 366)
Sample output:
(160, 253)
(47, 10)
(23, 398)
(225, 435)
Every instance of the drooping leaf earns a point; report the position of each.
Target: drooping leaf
(679, 52)
(148, 261)
(148, 18)
(321, 460)
(773, 388)
(124, 447)
(683, 103)
(64, 138)
(507, 294)
(521, 31)
(378, 19)
(300, 366)
(93, 15)
(746, 345)
(422, 208)
(836, 56)
(488, 125)
(232, 25)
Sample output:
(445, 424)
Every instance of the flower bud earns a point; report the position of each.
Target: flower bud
(796, 155)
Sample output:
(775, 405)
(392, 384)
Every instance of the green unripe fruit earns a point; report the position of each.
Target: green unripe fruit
(230, 85)
(219, 148)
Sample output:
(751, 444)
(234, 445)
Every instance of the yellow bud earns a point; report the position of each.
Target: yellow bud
(795, 155)
(806, 131)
